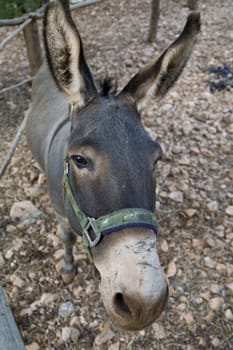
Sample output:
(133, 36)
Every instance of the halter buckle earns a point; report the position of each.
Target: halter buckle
(91, 242)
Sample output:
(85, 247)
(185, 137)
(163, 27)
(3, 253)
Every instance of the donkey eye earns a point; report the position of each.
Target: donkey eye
(80, 161)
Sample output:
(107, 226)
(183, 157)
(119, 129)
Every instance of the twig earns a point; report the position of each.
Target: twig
(25, 81)
(13, 146)
(14, 33)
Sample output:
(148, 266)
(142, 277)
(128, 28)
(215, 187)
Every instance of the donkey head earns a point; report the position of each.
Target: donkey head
(111, 161)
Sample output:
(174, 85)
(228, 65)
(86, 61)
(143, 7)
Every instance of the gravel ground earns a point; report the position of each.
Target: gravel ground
(195, 191)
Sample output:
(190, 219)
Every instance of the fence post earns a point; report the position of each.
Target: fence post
(32, 40)
(154, 19)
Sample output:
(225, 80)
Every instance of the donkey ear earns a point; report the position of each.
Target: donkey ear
(64, 53)
(159, 75)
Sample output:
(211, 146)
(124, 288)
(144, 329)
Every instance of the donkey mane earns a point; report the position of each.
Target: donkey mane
(107, 86)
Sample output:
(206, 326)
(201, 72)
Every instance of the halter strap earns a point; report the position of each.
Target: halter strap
(94, 229)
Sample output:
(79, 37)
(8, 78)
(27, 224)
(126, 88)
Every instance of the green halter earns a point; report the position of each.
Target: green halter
(94, 229)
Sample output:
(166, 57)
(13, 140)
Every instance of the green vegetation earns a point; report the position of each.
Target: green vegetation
(14, 8)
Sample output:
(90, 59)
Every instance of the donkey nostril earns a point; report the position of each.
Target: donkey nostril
(121, 304)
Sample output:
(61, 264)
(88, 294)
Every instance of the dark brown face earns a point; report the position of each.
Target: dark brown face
(112, 159)
(113, 167)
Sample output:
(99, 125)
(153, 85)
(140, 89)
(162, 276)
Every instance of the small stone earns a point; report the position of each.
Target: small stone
(114, 346)
(187, 128)
(216, 303)
(9, 254)
(221, 268)
(214, 288)
(70, 333)
(188, 316)
(77, 291)
(159, 331)
(229, 314)
(190, 212)
(58, 255)
(48, 299)
(26, 312)
(230, 287)
(164, 246)
(74, 322)
(17, 281)
(33, 346)
(215, 342)
(24, 210)
(229, 210)
(106, 334)
(181, 307)
(66, 309)
(10, 228)
(2, 261)
(199, 301)
(17, 244)
(212, 206)
(197, 243)
(185, 160)
(209, 262)
(171, 271)
(54, 239)
(176, 196)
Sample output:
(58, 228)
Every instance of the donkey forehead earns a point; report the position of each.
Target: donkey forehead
(110, 124)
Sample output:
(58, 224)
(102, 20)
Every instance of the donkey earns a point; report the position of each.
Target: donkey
(100, 164)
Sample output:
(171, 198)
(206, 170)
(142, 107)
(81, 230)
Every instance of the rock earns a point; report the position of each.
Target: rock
(181, 307)
(17, 281)
(33, 346)
(106, 334)
(229, 315)
(230, 287)
(215, 342)
(74, 322)
(24, 210)
(190, 212)
(176, 196)
(187, 128)
(54, 239)
(171, 270)
(209, 262)
(70, 333)
(159, 331)
(188, 316)
(164, 246)
(185, 160)
(198, 301)
(212, 206)
(66, 309)
(9, 254)
(2, 261)
(229, 210)
(10, 228)
(58, 255)
(33, 192)
(197, 243)
(48, 299)
(216, 303)
(26, 312)
(221, 268)
(214, 288)
(114, 346)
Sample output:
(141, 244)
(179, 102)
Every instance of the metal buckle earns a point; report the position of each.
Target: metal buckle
(90, 225)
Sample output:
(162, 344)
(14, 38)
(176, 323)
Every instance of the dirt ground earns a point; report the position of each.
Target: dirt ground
(194, 184)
